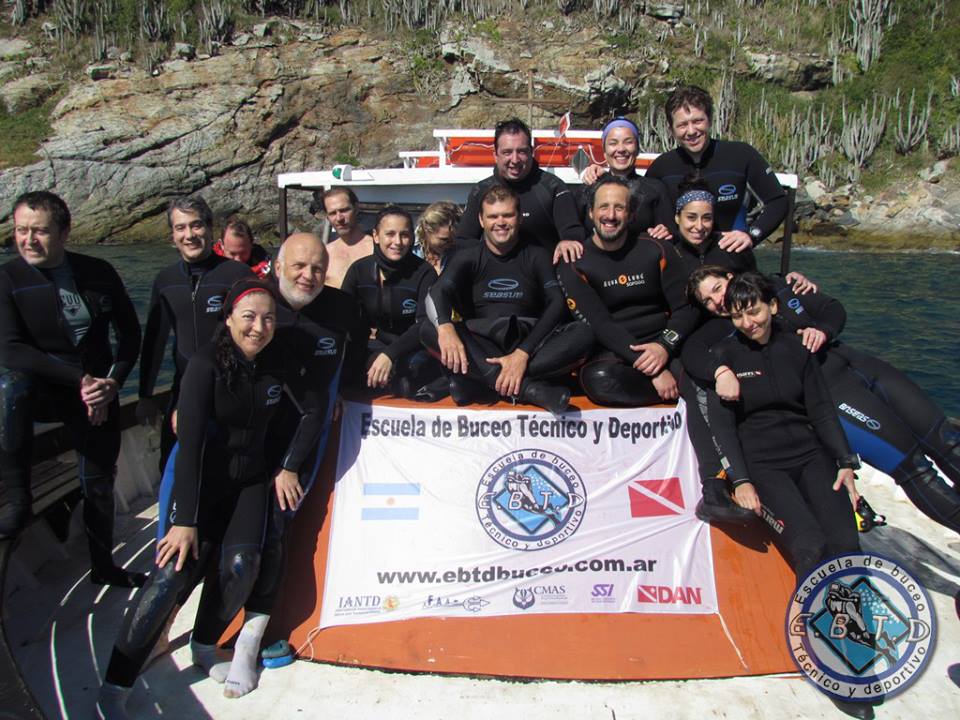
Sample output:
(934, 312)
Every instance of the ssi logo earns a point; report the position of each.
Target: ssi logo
(325, 346)
(602, 594)
(860, 627)
(530, 499)
(214, 303)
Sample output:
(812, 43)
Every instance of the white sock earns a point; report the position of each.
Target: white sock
(204, 656)
(242, 677)
(112, 702)
(220, 671)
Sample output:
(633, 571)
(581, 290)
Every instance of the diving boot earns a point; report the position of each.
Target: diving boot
(716, 505)
(555, 399)
(467, 391)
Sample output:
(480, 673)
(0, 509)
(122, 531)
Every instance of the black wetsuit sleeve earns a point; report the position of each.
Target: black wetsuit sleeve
(155, 336)
(554, 306)
(409, 341)
(587, 306)
(821, 411)
(664, 214)
(763, 182)
(195, 408)
(312, 398)
(826, 313)
(566, 217)
(469, 230)
(684, 317)
(445, 291)
(697, 357)
(126, 328)
(723, 427)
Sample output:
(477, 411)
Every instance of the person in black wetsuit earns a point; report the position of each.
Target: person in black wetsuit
(237, 243)
(654, 209)
(186, 298)
(56, 364)
(630, 290)
(887, 419)
(217, 493)
(510, 335)
(391, 286)
(731, 169)
(549, 215)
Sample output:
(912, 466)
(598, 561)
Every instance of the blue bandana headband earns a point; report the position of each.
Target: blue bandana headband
(695, 196)
(619, 123)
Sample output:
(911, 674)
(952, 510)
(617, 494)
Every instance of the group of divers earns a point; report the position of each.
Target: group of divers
(639, 289)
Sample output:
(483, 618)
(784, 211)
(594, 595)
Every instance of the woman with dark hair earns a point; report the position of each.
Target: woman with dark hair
(796, 456)
(653, 210)
(390, 286)
(888, 420)
(214, 493)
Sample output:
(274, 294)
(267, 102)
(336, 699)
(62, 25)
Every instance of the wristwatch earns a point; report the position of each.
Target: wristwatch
(851, 461)
(756, 234)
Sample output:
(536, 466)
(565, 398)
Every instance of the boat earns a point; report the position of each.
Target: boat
(732, 661)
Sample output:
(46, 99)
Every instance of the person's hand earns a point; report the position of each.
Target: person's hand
(568, 251)
(97, 415)
(812, 338)
(180, 541)
(173, 421)
(660, 232)
(653, 356)
(98, 391)
(379, 373)
(800, 283)
(512, 368)
(666, 386)
(452, 353)
(846, 478)
(147, 411)
(727, 384)
(745, 495)
(735, 241)
(289, 491)
(592, 174)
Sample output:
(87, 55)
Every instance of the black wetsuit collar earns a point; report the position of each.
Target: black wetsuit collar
(392, 268)
(531, 179)
(704, 156)
(202, 266)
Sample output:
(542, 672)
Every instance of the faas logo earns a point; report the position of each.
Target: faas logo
(654, 498)
(665, 595)
(408, 307)
(860, 627)
(325, 346)
(523, 598)
(214, 303)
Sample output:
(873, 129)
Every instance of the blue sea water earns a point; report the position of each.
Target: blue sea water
(901, 306)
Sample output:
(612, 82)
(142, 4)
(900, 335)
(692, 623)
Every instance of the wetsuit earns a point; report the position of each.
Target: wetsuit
(259, 262)
(630, 296)
(548, 210)
(653, 206)
(507, 302)
(393, 307)
(319, 336)
(792, 444)
(710, 253)
(41, 365)
(218, 484)
(186, 298)
(732, 170)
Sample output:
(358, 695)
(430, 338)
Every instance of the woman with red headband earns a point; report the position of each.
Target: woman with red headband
(214, 493)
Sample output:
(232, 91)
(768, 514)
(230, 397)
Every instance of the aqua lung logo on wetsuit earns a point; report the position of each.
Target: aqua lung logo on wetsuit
(273, 394)
(214, 303)
(503, 289)
(530, 499)
(325, 346)
(408, 307)
(857, 415)
(860, 627)
(727, 192)
(626, 280)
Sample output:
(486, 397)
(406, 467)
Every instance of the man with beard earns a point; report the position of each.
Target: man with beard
(316, 325)
(549, 215)
(511, 339)
(631, 291)
(187, 298)
(341, 207)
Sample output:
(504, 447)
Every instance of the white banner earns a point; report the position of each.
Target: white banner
(448, 512)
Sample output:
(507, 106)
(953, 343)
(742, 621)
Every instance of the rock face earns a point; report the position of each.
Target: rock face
(801, 71)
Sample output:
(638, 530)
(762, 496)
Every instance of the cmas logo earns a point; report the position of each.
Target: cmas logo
(214, 303)
(524, 598)
(860, 627)
(530, 499)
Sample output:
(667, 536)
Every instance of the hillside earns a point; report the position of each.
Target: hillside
(121, 104)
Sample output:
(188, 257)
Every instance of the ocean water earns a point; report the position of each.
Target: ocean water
(903, 306)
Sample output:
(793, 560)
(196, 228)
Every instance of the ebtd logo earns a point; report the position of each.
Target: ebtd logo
(860, 627)
(214, 303)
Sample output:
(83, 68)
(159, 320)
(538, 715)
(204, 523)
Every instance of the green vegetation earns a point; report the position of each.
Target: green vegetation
(22, 134)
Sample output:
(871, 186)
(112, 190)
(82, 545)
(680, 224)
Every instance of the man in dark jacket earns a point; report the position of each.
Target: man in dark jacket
(57, 364)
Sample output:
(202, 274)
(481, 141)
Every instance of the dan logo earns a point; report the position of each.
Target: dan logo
(214, 303)
(665, 595)
(325, 346)
(524, 598)
(860, 627)
(530, 500)
(655, 498)
(503, 284)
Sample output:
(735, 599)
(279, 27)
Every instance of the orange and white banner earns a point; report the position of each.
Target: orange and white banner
(455, 512)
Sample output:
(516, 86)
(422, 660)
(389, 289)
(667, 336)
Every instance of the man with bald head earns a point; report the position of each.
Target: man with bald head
(315, 325)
